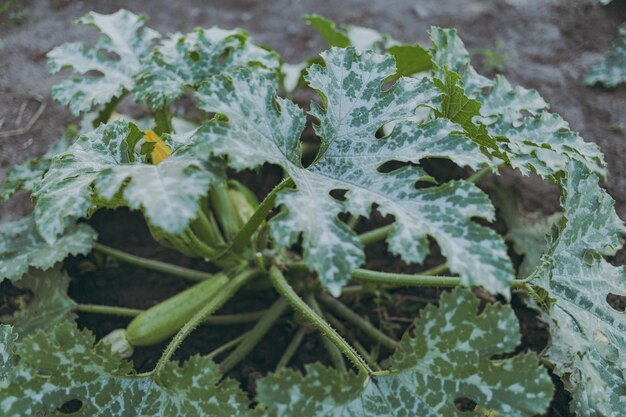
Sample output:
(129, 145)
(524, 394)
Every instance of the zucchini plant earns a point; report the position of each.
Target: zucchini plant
(383, 112)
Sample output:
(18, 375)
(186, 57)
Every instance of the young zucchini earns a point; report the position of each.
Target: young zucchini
(164, 319)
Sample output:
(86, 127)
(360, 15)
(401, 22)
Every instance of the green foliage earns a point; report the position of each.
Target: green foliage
(124, 36)
(21, 247)
(61, 364)
(449, 356)
(611, 70)
(105, 168)
(376, 125)
(588, 335)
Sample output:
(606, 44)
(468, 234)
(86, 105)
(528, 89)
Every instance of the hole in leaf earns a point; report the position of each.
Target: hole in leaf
(339, 195)
(94, 73)
(464, 404)
(71, 407)
(391, 166)
(617, 302)
(194, 56)
(12, 299)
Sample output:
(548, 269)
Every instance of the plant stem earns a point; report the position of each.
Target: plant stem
(366, 355)
(332, 350)
(227, 345)
(365, 326)
(225, 210)
(292, 347)
(255, 335)
(215, 303)
(179, 271)
(375, 235)
(352, 222)
(162, 121)
(417, 280)
(111, 310)
(198, 245)
(206, 228)
(478, 175)
(245, 233)
(283, 287)
(105, 114)
(393, 279)
(220, 320)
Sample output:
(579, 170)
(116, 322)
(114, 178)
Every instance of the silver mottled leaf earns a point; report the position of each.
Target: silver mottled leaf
(188, 60)
(61, 363)
(588, 344)
(263, 128)
(22, 247)
(611, 70)
(448, 356)
(104, 167)
(7, 354)
(124, 36)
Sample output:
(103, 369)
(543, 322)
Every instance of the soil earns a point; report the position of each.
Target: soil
(552, 43)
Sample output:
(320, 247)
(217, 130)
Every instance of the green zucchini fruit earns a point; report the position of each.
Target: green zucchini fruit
(165, 319)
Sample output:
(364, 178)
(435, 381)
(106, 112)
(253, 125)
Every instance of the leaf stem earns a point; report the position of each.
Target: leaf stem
(255, 335)
(170, 269)
(333, 352)
(283, 287)
(375, 235)
(220, 320)
(110, 310)
(215, 303)
(292, 347)
(366, 355)
(225, 210)
(365, 326)
(227, 345)
(478, 175)
(245, 233)
(162, 121)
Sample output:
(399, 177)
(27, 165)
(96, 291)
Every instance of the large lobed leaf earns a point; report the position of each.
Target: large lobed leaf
(187, 60)
(510, 123)
(588, 344)
(449, 356)
(22, 247)
(104, 167)
(45, 302)
(61, 364)
(124, 36)
(611, 70)
(263, 128)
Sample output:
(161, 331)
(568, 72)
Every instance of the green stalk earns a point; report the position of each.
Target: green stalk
(206, 229)
(179, 271)
(162, 121)
(365, 326)
(375, 235)
(105, 114)
(225, 294)
(393, 279)
(199, 247)
(478, 175)
(283, 287)
(110, 310)
(220, 320)
(224, 209)
(366, 355)
(332, 350)
(292, 347)
(240, 241)
(255, 335)
(227, 345)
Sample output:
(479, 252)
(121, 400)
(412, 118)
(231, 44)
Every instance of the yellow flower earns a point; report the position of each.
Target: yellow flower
(161, 151)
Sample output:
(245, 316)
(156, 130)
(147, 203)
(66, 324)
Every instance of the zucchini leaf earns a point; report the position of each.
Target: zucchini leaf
(104, 168)
(510, 123)
(125, 37)
(186, 60)
(588, 335)
(263, 128)
(60, 364)
(49, 303)
(611, 70)
(21, 246)
(448, 357)
(7, 354)
(410, 59)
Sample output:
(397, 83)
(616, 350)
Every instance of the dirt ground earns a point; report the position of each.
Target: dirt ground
(551, 43)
